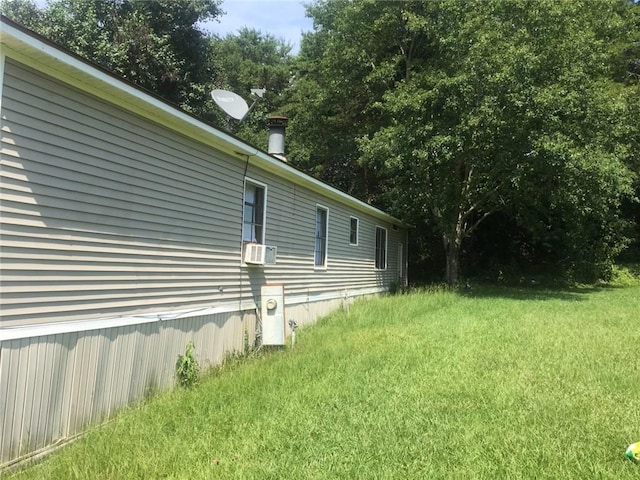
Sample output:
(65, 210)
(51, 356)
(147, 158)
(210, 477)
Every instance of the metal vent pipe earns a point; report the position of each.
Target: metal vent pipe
(276, 125)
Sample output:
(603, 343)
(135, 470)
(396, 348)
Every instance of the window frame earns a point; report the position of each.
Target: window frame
(316, 265)
(264, 187)
(357, 231)
(379, 250)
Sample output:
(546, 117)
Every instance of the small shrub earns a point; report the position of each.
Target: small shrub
(247, 344)
(187, 368)
(395, 288)
(625, 276)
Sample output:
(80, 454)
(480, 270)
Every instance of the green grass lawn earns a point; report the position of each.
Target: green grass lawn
(496, 383)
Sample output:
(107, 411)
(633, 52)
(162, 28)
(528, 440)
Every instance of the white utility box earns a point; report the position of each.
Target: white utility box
(272, 312)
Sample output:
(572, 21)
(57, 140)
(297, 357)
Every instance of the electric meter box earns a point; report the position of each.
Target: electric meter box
(272, 313)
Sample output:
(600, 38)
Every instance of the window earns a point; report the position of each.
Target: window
(381, 248)
(353, 231)
(321, 237)
(253, 213)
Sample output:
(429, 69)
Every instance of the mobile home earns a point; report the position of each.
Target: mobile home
(129, 228)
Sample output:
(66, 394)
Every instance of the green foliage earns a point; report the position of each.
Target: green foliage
(625, 276)
(187, 368)
(342, 70)
(460, 110)
(156, 44)
(25, 12)
(251, 59)
(246, 344)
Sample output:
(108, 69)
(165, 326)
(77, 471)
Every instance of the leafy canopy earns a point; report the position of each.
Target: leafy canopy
(464, 109)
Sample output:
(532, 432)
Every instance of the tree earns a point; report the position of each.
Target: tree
(25, 12)
(154, 43)
(464, 109)
(447, 112)
(630, 77)
(250, 59)
(358, 51)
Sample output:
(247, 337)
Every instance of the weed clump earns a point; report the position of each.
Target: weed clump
(187, 368)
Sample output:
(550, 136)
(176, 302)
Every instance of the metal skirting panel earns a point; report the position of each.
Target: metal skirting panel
(52, 387)
(304, 313)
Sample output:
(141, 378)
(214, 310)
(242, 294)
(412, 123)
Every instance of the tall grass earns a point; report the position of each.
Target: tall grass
(494, 383)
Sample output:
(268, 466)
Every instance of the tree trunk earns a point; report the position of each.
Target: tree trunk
(452, 252)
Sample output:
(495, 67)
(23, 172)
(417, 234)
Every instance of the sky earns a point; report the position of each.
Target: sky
(283, 19)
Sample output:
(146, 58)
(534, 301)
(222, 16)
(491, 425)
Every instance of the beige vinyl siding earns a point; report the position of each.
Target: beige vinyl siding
(291, 217)
(105, 213)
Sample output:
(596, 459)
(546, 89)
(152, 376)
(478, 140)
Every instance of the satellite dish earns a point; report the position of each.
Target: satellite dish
(232, 103)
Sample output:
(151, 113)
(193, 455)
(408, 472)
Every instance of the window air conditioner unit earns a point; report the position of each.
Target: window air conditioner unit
(258, 254)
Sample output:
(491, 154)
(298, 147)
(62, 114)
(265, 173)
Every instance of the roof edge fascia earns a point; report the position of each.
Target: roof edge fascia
(23, 45)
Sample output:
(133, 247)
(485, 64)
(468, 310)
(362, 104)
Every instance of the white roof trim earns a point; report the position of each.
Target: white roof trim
(25, 46)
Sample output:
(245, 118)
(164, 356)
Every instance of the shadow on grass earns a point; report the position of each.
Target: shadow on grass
(546, 288)
(520, 291)
(531, 293)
